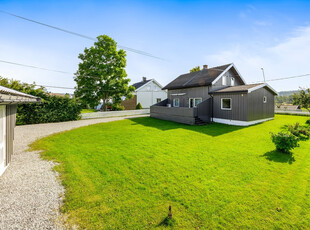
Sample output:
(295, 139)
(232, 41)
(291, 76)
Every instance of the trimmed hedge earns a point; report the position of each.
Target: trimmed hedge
(51, 109)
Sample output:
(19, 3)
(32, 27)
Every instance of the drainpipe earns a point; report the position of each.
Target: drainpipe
(212, 108)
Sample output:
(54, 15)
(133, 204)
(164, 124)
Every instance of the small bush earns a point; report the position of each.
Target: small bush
(116, 107)
(139, 106)
(284, 141)
(299, 131)
(308, 122)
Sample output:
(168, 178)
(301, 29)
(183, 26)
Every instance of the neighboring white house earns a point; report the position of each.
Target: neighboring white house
(149, 92)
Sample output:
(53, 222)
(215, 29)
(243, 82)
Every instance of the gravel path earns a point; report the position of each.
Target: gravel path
(30, 193)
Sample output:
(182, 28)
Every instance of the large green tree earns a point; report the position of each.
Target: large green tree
(302, 98)
(101, 74)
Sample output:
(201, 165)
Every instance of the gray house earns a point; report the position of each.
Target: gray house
(217, 94)
(9, 99)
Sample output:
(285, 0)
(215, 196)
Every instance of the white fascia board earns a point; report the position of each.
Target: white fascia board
(219, 77)
(152, 80)
(239, 73)
(228, 68)
(261, 86)
(239, 123)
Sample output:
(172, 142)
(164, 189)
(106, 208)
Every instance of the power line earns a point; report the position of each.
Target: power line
(285, 78)
(34, 67)
(79, 35)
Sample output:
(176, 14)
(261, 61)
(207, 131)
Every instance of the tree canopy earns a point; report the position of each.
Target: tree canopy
(101, 74)
(302, 98)
(195, 69)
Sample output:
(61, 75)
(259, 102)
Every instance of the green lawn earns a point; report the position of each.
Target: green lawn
(88, 111)
(125, 174)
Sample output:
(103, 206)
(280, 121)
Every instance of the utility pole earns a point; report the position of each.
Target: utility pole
(263, 74)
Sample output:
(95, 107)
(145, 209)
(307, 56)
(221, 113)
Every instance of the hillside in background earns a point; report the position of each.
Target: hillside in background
(287, 93)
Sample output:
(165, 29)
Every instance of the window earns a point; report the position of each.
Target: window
(224, 80)
(226, 104)
(197, 101)
(193, 102)
(176, 102)
(158, 100)
(265, 99)
(232, 82)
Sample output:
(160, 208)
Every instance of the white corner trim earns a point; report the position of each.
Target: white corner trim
(261, 86)
(239, 123)
(2, 170)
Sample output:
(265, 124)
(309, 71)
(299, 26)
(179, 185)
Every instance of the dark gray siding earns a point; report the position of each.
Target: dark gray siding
(238, 110)
(230, 74)
(257, 109)
(10, 125)
(204, 110)
(196, 92)
(181, 115)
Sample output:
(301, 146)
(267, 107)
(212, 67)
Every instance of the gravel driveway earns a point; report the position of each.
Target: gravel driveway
(30, 193)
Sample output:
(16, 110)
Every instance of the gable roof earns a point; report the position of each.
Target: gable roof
(203, 77)
(140, 84)
(245, 88)
(8, 95)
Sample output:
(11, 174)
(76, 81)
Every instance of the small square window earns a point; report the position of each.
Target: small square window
(158, 100)
(226, 104)
(265, 99)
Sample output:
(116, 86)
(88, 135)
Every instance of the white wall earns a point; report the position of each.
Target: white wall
(148, 94)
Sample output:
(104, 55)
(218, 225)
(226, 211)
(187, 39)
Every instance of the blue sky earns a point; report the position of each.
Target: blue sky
(252, 34)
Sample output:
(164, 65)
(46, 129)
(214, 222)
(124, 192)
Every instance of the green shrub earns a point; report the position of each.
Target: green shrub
(308, 122)
(51, 109)
(284, 141)
(116, 107)
(299, 131)
(139, 106)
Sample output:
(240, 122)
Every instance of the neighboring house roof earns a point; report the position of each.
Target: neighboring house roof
(203, 77)
(140, 84)
(8, 95)
(245, 88)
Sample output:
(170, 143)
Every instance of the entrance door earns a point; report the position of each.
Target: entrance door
(2, 138)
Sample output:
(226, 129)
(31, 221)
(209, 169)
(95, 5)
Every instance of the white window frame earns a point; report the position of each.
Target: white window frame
(174, 100)
(232, 81)
(222, 104)
(265, 99)
(195, 105)
(194, 101)
(224, 80)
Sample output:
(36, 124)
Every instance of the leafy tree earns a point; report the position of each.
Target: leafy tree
(195, 69)
(302, 98)
(101, 74)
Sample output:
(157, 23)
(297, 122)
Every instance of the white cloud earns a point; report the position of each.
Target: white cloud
(287, 58)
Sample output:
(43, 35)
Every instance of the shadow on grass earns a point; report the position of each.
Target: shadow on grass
(213, 129)
(277, 156)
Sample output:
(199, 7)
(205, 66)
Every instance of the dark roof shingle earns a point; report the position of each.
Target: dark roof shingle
(200, 78)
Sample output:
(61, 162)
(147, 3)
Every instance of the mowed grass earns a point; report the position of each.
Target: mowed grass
(125, 174)
(88, 111)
